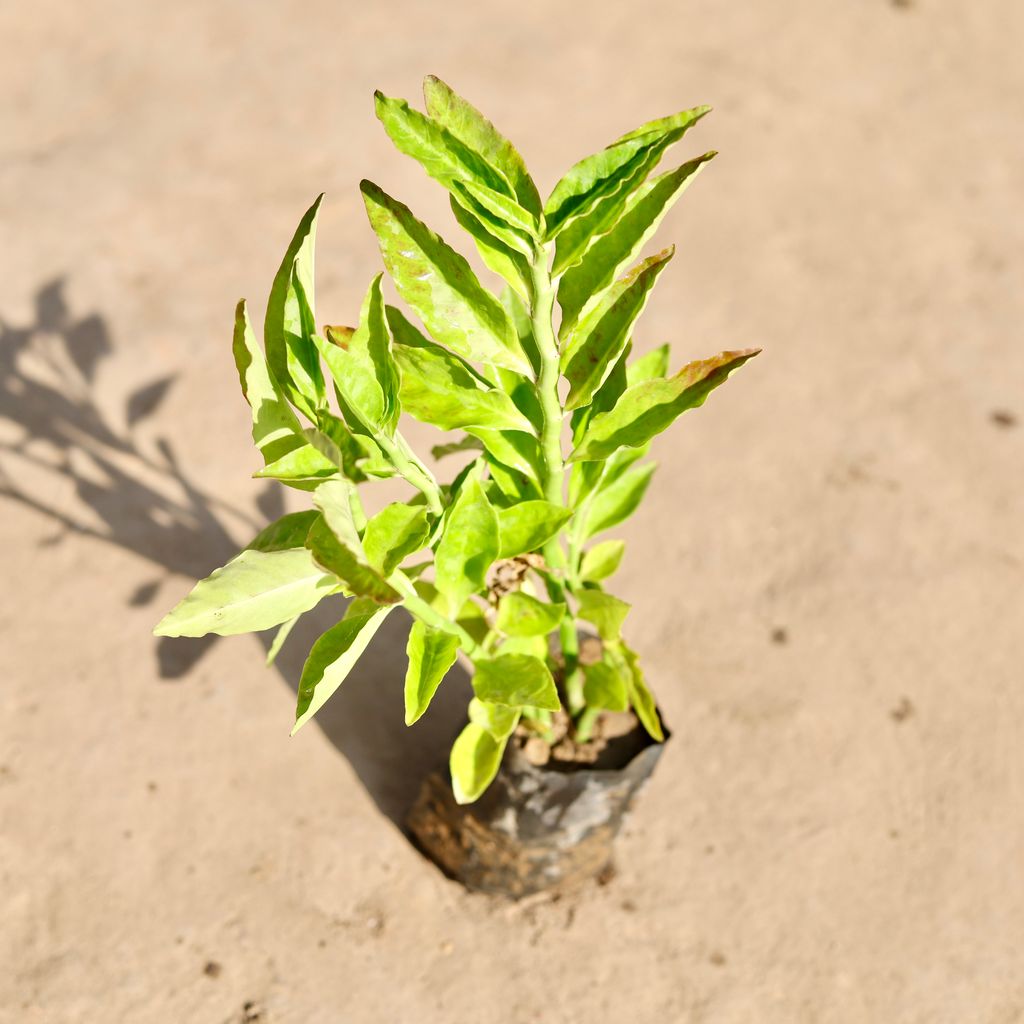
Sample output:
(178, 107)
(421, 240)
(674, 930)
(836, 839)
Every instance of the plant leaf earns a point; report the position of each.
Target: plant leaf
(393, 534)
(514, 449)
(468, 546)
(617, 501)
(517, 680)
(581, 286)
(595, 346)
(520, 614)
(647, 408)
(440, 285)
(529, 525)
(499, 250)
(291, 323)
(640, 696)
(661, 126)
(498, 719)
(517, 308)
(468, 125)
(304, 463)
(356, 455)
(581, 231)
(465, 444)
(470, 617)
(589, 180)
(332, 656)
(501, 210)
(534, 646)
(256, 590)
(604, 611)
(513, 485)
(275, 428)
(605, 684)
(440, 388)
(290, 531)
(443, 156)
(649, 366)
(335, 544)
(358, 578)
(279, 639)
(586, 478)
(431, 653)
(602, 560)
(363, 366)
(600, 175)
(475, 759)
(339, 503)
(604, 399)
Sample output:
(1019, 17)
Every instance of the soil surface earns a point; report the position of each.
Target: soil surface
(826, 579)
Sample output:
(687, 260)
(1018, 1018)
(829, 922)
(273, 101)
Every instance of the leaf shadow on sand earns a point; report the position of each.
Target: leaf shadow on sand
(131, 490)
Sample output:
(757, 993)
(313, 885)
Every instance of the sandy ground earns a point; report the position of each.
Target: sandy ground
(827, 579)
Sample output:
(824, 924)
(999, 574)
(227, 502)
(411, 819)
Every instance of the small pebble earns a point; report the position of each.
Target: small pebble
(212, 969)
(902, 711)
(536, 751)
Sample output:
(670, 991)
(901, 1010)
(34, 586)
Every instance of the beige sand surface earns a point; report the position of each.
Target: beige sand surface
(827, 580)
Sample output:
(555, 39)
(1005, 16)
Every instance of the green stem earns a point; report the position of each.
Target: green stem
(576, 527)
(412, 470)
(585, 724)
(422, 610)
(552, 415)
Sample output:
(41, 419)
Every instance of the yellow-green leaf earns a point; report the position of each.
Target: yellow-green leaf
(335, 544)
(602, 560)
(645, 409)
(520, 614)
(649, 366)
(582, 285)
(291, 321)
(529, 525)
(279, 640)
(640, 696)
(363, 367)
(516, 680)
(605, 684)
(431, 653)
(475, 759)
(441, 154)
(616, 502)
(275, 428)
(604, 611)
(440, 286)
(256, 590)
(594, 347)
(290, 531)
(601, 175)
(468, 546)
(440, 388)
(468, 125)
(304, 463)
(332, 656)
(582, 231)
(395, 532)
(498, 719)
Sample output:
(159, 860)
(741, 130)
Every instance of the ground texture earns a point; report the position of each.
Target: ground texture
(827, 579)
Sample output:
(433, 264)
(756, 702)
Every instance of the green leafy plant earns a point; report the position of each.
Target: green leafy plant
(501, 563)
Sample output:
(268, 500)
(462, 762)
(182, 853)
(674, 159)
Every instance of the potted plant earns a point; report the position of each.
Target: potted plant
(501, 564)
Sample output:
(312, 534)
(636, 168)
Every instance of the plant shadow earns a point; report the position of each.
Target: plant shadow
(133, 492)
